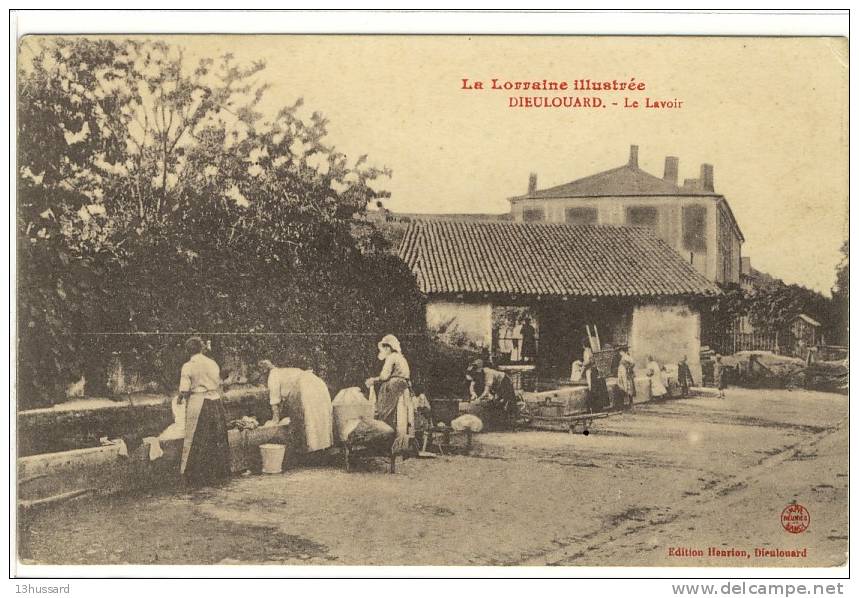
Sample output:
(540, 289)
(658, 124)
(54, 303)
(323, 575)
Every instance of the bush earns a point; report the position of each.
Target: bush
(440, 368)
(245, 229)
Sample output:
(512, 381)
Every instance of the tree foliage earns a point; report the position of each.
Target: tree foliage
(770, 309)
(841, 297)
(155, 195)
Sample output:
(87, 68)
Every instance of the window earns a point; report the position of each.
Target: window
(726, 247)
(533, 215)
(695, 228)
(642, 216)
(580, 215)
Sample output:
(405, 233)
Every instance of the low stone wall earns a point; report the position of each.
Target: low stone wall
(104, 470)
(80, 423)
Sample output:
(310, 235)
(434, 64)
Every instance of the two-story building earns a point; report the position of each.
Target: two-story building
(692, 218)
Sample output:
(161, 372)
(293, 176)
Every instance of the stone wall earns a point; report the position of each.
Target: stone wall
(105, 470)
(81, 423)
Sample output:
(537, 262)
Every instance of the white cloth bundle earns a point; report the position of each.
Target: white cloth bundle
(177, 428)
(467, 422)
(350, 405)
(155, 451)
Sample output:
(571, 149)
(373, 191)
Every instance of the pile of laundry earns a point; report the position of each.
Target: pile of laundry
(354, 419)
(129, 443)
(467, 422)
(246, 422)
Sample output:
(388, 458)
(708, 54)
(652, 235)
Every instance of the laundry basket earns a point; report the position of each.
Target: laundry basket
(606, 361)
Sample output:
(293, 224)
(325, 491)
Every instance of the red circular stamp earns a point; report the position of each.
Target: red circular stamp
(795, 518)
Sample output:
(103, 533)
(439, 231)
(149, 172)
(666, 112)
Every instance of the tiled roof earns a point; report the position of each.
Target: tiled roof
(546, 259)
(625, 180)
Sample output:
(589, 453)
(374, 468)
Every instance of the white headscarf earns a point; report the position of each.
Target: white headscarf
(392, 342)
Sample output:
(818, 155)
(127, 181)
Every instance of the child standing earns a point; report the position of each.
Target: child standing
(423, 418)
(423, 410)
(657, 381)
(626, 375)
(684, 377)
(720, 376)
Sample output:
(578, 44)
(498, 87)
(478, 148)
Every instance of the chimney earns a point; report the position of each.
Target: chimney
(672, 166)
(707, 177)
(532, 183)
(633, 156)
(691, 184)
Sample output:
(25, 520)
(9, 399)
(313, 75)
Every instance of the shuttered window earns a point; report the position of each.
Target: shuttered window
(695, 228)
(580, 215)
(642, 216)
(533, 215)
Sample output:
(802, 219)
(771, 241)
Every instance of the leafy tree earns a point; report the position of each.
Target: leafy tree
(770, 310)
(841, 297)
(723, 311)
(155, 196)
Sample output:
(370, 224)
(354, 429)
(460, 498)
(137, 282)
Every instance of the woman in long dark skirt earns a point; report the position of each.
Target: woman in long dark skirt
(393, 399)
(206, 451)
(597, 398)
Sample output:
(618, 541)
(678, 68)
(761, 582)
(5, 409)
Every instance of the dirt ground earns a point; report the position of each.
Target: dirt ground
(644, 488)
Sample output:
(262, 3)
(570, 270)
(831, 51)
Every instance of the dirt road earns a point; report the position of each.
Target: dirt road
(651, 487)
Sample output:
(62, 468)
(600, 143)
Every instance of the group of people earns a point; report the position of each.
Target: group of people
(206, 455)
(659, 380)
(660, 383)
(587, 370)
(298, 393)
(517, 341)
(206, 452)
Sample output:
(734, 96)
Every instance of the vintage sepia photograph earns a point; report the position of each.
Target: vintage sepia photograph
(431, 300)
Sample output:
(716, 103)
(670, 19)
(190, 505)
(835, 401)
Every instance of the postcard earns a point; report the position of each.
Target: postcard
(432, 300)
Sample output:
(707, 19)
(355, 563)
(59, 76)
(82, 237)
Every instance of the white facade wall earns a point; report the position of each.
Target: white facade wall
(611, 211)
(666, 332)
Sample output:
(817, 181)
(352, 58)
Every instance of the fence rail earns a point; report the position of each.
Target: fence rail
(731, 342)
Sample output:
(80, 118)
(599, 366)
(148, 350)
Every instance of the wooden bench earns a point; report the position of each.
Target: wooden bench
(350, 451)
(441, 438)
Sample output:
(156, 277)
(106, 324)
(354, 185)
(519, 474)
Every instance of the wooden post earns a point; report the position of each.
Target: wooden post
(590, 337)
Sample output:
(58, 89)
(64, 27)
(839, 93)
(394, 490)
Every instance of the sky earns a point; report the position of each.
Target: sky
(769, 113)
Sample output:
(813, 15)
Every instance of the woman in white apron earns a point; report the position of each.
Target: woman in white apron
(206, 451)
